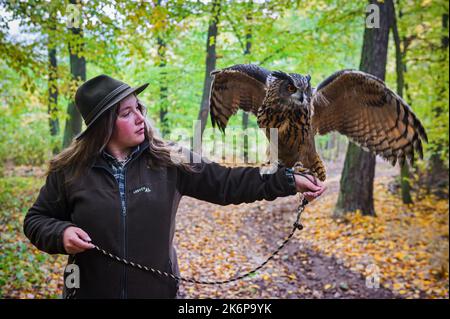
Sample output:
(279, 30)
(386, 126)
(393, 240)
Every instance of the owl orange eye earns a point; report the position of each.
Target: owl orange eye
(291, 88)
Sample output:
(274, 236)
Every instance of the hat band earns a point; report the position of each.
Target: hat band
(103, 102)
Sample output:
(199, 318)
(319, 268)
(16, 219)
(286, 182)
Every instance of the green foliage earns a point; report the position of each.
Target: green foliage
(121, 39)
(24, 129)
(427, 69)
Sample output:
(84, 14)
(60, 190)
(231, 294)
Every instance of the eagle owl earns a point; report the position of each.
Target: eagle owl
(354, 103)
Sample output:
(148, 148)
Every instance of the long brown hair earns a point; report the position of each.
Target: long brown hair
(79, 156)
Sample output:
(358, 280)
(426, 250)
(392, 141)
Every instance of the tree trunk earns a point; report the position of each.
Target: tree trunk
(356, 185)
(340, 144)
(163, 102)
(248, 46)
(400, 68)
(244, 127)
(52, 86)
(210, 62)
(78, 74)
(331, 146)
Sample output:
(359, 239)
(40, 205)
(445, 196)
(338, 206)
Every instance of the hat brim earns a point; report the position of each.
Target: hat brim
(113, 102)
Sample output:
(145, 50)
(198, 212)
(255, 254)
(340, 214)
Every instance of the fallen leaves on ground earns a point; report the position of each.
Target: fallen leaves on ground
(404, 248)
(25, 272)
(407, 245)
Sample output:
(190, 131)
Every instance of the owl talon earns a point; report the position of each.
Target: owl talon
(299, 168)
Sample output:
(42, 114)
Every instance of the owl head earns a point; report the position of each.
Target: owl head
(293, 90)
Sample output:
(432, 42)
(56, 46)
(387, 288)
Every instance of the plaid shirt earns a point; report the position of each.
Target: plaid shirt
(119, 168)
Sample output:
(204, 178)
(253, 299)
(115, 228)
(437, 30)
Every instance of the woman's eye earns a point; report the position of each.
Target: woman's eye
(125, 114)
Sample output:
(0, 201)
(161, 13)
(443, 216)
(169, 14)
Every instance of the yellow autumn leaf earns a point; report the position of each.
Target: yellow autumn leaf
(400, 255)
(397, 286)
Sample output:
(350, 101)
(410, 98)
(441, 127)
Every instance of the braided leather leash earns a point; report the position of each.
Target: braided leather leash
(297, 225)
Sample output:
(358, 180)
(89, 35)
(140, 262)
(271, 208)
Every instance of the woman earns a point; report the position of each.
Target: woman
(119, 186)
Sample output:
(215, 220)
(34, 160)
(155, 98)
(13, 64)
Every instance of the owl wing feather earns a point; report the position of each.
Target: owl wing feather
(363, 108)
(242, 86)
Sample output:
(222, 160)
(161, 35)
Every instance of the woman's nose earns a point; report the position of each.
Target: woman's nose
(139, 117)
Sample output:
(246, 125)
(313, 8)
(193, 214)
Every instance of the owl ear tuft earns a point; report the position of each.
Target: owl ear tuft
(308, 78)
(281, 75)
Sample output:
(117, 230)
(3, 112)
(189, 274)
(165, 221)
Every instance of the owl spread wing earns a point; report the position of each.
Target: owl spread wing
(241, 86)
(362, 107)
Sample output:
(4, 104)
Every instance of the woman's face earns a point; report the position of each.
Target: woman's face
(130, 125)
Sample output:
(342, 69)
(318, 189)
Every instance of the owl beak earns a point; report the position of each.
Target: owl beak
(301, 97)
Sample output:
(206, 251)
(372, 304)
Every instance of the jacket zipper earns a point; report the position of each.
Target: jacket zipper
(123, 214)
(124, 223)
(124, 219)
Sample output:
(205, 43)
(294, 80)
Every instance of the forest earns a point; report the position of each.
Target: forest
(379, 231)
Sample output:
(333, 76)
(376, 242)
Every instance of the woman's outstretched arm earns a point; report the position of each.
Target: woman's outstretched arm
(224, 185)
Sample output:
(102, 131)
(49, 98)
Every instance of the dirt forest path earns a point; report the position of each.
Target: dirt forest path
(222, 242)
(406, 246)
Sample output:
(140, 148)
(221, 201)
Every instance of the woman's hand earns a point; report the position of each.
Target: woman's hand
(75, 240)
(309, 186)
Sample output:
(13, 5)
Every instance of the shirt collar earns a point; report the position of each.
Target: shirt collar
(105, 157)
(113, 160)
